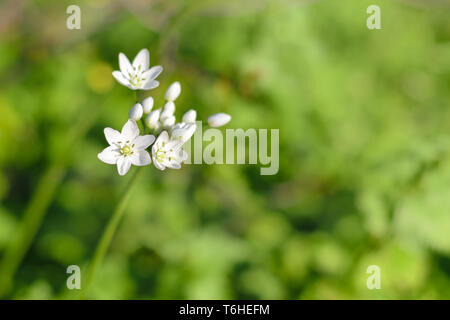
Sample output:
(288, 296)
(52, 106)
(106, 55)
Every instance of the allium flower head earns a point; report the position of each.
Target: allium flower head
(126, 147)
(137, 75)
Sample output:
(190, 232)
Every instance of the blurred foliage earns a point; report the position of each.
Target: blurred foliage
(364, 148)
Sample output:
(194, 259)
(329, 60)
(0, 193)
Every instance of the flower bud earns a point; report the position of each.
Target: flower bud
(190, 116)
(219, 119)
(136, 112)
(147, 104)
(173, 91)
(152, 120)
(168, 110)
(169, 122)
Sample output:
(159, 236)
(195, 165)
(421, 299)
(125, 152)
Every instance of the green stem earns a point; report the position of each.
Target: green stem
(108, 234)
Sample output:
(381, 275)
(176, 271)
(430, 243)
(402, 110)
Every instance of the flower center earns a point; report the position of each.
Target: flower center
(160, 155)
(136, 77)
(126, 150)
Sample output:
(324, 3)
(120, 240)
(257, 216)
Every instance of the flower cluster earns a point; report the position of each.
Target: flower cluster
(129, 147)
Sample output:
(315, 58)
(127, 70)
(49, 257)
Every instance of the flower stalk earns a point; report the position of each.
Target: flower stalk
(109, 232)
(129, 147)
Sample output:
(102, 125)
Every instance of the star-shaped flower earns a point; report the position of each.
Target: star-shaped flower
(137, 76)
(126, 147)
(168, 153)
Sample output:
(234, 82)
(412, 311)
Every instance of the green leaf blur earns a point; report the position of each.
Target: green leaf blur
(364, 124)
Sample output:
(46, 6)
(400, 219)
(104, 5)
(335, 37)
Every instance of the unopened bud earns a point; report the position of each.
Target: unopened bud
(168, 110)
(152, 120)
(219, 119)
(173, 91)
(169, 122)
(147, 104)
(190, 116)
(136, 112)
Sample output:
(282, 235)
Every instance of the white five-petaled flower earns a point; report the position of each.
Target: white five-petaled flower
(168, 153)
(137, 75)
(126, 147)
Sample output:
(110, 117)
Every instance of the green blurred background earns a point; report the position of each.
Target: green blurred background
(364, 175)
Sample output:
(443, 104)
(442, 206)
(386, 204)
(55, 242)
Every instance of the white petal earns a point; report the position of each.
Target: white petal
(124, 65)
(183, 155)
(136, 112)
(112, 136)
(163, 137)
(123, 165)
(109, 155)
(147, 104)
(142, 59)
(173, 91)
(185, 133)
(140, 158)
(143, 142)
(179, 125)
(190, 116)
(130, 131)
(158, 165)
(174, 164)
(150, 84)
(173, 145)
(219, 119)
(121, 78)
(152, 73)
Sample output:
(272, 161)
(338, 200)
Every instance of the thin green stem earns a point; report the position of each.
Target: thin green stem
(109, 232)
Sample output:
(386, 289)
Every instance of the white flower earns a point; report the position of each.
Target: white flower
(136, 112)
(168, 153)
(190, 116)
(219, 119)
(183, 131)
(147, 104)
(173, 91)
(137, 76)
(126, 147)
